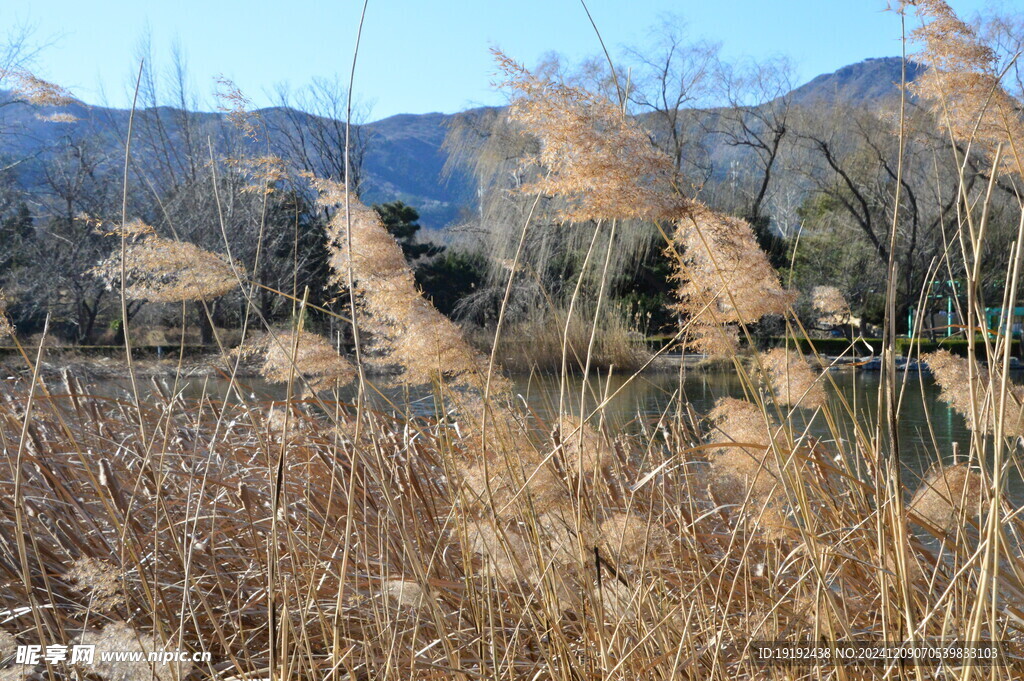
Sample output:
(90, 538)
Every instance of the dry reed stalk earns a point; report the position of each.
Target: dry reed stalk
(673, 566)
(120, 637)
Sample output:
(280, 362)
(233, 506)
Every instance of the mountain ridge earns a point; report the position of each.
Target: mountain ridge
(405, 158)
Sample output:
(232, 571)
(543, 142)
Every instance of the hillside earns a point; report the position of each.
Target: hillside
(404, 158)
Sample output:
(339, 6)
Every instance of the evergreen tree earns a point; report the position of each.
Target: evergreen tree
(401, 221)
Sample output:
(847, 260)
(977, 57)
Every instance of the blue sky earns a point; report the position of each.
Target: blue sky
(419, 56)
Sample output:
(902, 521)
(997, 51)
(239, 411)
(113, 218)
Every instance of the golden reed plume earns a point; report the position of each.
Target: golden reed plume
(962, 84)
(407, 332)
(287, 354)
(164, 270)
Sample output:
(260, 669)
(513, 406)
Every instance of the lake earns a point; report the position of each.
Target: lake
(928, 428)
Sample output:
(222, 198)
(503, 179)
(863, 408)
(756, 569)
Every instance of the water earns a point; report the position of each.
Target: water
(928, 428)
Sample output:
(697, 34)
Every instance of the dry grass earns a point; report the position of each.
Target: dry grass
(681, 587)
(536, 343)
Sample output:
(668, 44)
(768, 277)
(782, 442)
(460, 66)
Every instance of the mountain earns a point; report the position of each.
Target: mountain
(872, 80)
(404, 158)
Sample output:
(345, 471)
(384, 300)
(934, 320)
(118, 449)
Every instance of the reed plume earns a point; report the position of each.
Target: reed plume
(830, 305)
(584, 449)
(9, 671)
(724, 278)
(264, 172)
(406, 330)
(119, 637)
(57, 117)
(596, 158)
(98, 579)
(791, 379)
(504, 487)
(953, 374)
(631, 538)
(237, 107)
(36, 91)
(291, 354)
(6, 329)
(166, 271)
(404, 592)
(502, 553)
(962, 83)
(948, 495)
(603, 166)
(743, 463)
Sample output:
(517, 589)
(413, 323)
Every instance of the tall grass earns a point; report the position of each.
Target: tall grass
(315, 538)
(536, 343)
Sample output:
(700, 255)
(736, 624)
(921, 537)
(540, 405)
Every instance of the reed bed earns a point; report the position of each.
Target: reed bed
(274, 534)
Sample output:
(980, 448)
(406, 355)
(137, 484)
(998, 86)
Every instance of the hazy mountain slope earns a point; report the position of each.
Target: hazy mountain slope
(404, 158)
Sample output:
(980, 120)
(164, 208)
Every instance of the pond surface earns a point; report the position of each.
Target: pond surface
(928, 428)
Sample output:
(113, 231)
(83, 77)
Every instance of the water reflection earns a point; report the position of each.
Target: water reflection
(928, 427)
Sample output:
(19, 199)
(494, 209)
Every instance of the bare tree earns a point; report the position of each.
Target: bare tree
(66, 242)
(756, 119)
(851, 163)
(673, 79)
(308, 129)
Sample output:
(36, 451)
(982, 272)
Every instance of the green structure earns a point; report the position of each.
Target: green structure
(949, 291)
(995, 322)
